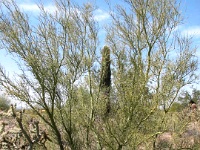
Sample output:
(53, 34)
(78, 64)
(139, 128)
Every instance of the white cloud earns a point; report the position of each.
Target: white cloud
(29, 7)
(192, 31)
(35, 8)
(101, 15)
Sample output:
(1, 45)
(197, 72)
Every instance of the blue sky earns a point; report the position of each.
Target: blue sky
(191, 25)
(190, 11)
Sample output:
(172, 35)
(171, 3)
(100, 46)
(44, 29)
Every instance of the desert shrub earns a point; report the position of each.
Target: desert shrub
(4, 103)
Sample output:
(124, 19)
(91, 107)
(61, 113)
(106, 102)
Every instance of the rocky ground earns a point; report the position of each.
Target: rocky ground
(12, 136)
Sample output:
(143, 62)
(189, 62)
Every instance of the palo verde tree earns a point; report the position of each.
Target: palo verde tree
(56, 55)
(53, 53)
(147, 53)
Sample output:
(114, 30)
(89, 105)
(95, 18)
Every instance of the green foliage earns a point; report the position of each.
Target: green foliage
(4, 103)
(195, 95)
(177, 107)
(185, 97)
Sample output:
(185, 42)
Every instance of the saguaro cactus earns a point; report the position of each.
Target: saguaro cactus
(105, 81)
